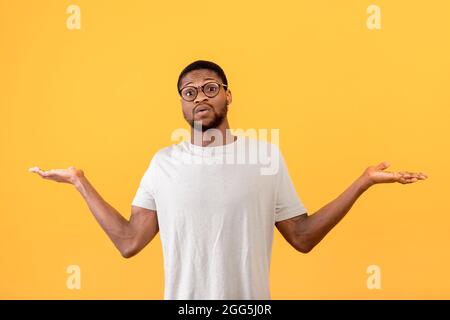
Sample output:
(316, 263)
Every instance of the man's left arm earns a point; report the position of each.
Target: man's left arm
(304, 232)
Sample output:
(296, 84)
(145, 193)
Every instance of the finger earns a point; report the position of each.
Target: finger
(401, 175)
(412, 180)
(417, 175)
(36, 170)
(383, 165)
(403, 180)
(406, 175)
(410, 177)
(422, 175)
(407, 179)
(43, 173)
(48, 173)
(397, 176)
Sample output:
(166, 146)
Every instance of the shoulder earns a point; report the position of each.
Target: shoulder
(260, 143)
(263, 147)
(164, 152)
(158, 156)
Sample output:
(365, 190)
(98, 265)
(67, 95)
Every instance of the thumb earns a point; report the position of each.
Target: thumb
(383, 165)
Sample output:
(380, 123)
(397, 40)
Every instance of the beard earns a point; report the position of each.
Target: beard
(217, 119)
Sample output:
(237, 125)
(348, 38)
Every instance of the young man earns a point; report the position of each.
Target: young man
(216, 218)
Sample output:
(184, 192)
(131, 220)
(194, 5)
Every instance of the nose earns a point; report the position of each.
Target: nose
(200, 96)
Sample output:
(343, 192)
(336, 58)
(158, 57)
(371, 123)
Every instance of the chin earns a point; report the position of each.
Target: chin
(205, 122)
(207, 127)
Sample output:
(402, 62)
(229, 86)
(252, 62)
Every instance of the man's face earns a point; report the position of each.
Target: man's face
(211, 112)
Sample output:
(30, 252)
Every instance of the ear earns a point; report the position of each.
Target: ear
(229, 97)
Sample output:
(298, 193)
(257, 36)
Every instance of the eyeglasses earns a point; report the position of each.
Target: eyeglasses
(210, 89)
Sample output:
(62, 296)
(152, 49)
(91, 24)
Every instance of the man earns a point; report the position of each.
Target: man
(216, 218)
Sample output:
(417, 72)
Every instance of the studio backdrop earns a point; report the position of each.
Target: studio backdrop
(348, 84)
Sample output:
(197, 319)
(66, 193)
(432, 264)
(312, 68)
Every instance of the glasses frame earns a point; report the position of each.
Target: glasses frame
(225, 86)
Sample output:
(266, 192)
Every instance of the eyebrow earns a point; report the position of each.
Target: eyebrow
(203, 80)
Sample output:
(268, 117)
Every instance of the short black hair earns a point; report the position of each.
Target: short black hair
(202, 64)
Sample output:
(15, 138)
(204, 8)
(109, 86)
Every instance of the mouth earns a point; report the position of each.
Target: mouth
(202, 109)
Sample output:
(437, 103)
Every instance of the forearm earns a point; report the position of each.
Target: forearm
(112, 222)
(315, 227)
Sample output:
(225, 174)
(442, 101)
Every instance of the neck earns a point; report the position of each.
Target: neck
(218, 136)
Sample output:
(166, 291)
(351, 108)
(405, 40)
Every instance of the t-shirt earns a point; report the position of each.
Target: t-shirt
(216, 209)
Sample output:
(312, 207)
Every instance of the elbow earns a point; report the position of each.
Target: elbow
(128, 252)
(304, 247)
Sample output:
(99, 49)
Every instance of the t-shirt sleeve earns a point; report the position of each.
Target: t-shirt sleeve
(145, 194)
(288, 204)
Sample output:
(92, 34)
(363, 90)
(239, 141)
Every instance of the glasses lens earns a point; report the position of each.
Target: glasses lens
(189, 93)
(211, 89)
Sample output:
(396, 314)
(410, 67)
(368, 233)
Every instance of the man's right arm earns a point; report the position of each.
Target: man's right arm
(129, 236)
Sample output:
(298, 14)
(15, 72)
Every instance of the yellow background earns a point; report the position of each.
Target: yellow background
(344, 97)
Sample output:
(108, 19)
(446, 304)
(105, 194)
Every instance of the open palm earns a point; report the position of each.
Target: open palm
(59, 175)
(376, 174)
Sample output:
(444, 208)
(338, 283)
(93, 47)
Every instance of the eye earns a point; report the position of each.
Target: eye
(211, 87)
(189, 92)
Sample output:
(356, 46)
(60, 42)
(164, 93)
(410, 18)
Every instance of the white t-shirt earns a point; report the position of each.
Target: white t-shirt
(216, 216)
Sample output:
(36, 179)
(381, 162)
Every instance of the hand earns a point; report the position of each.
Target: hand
(69, 175)
(376, 174)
